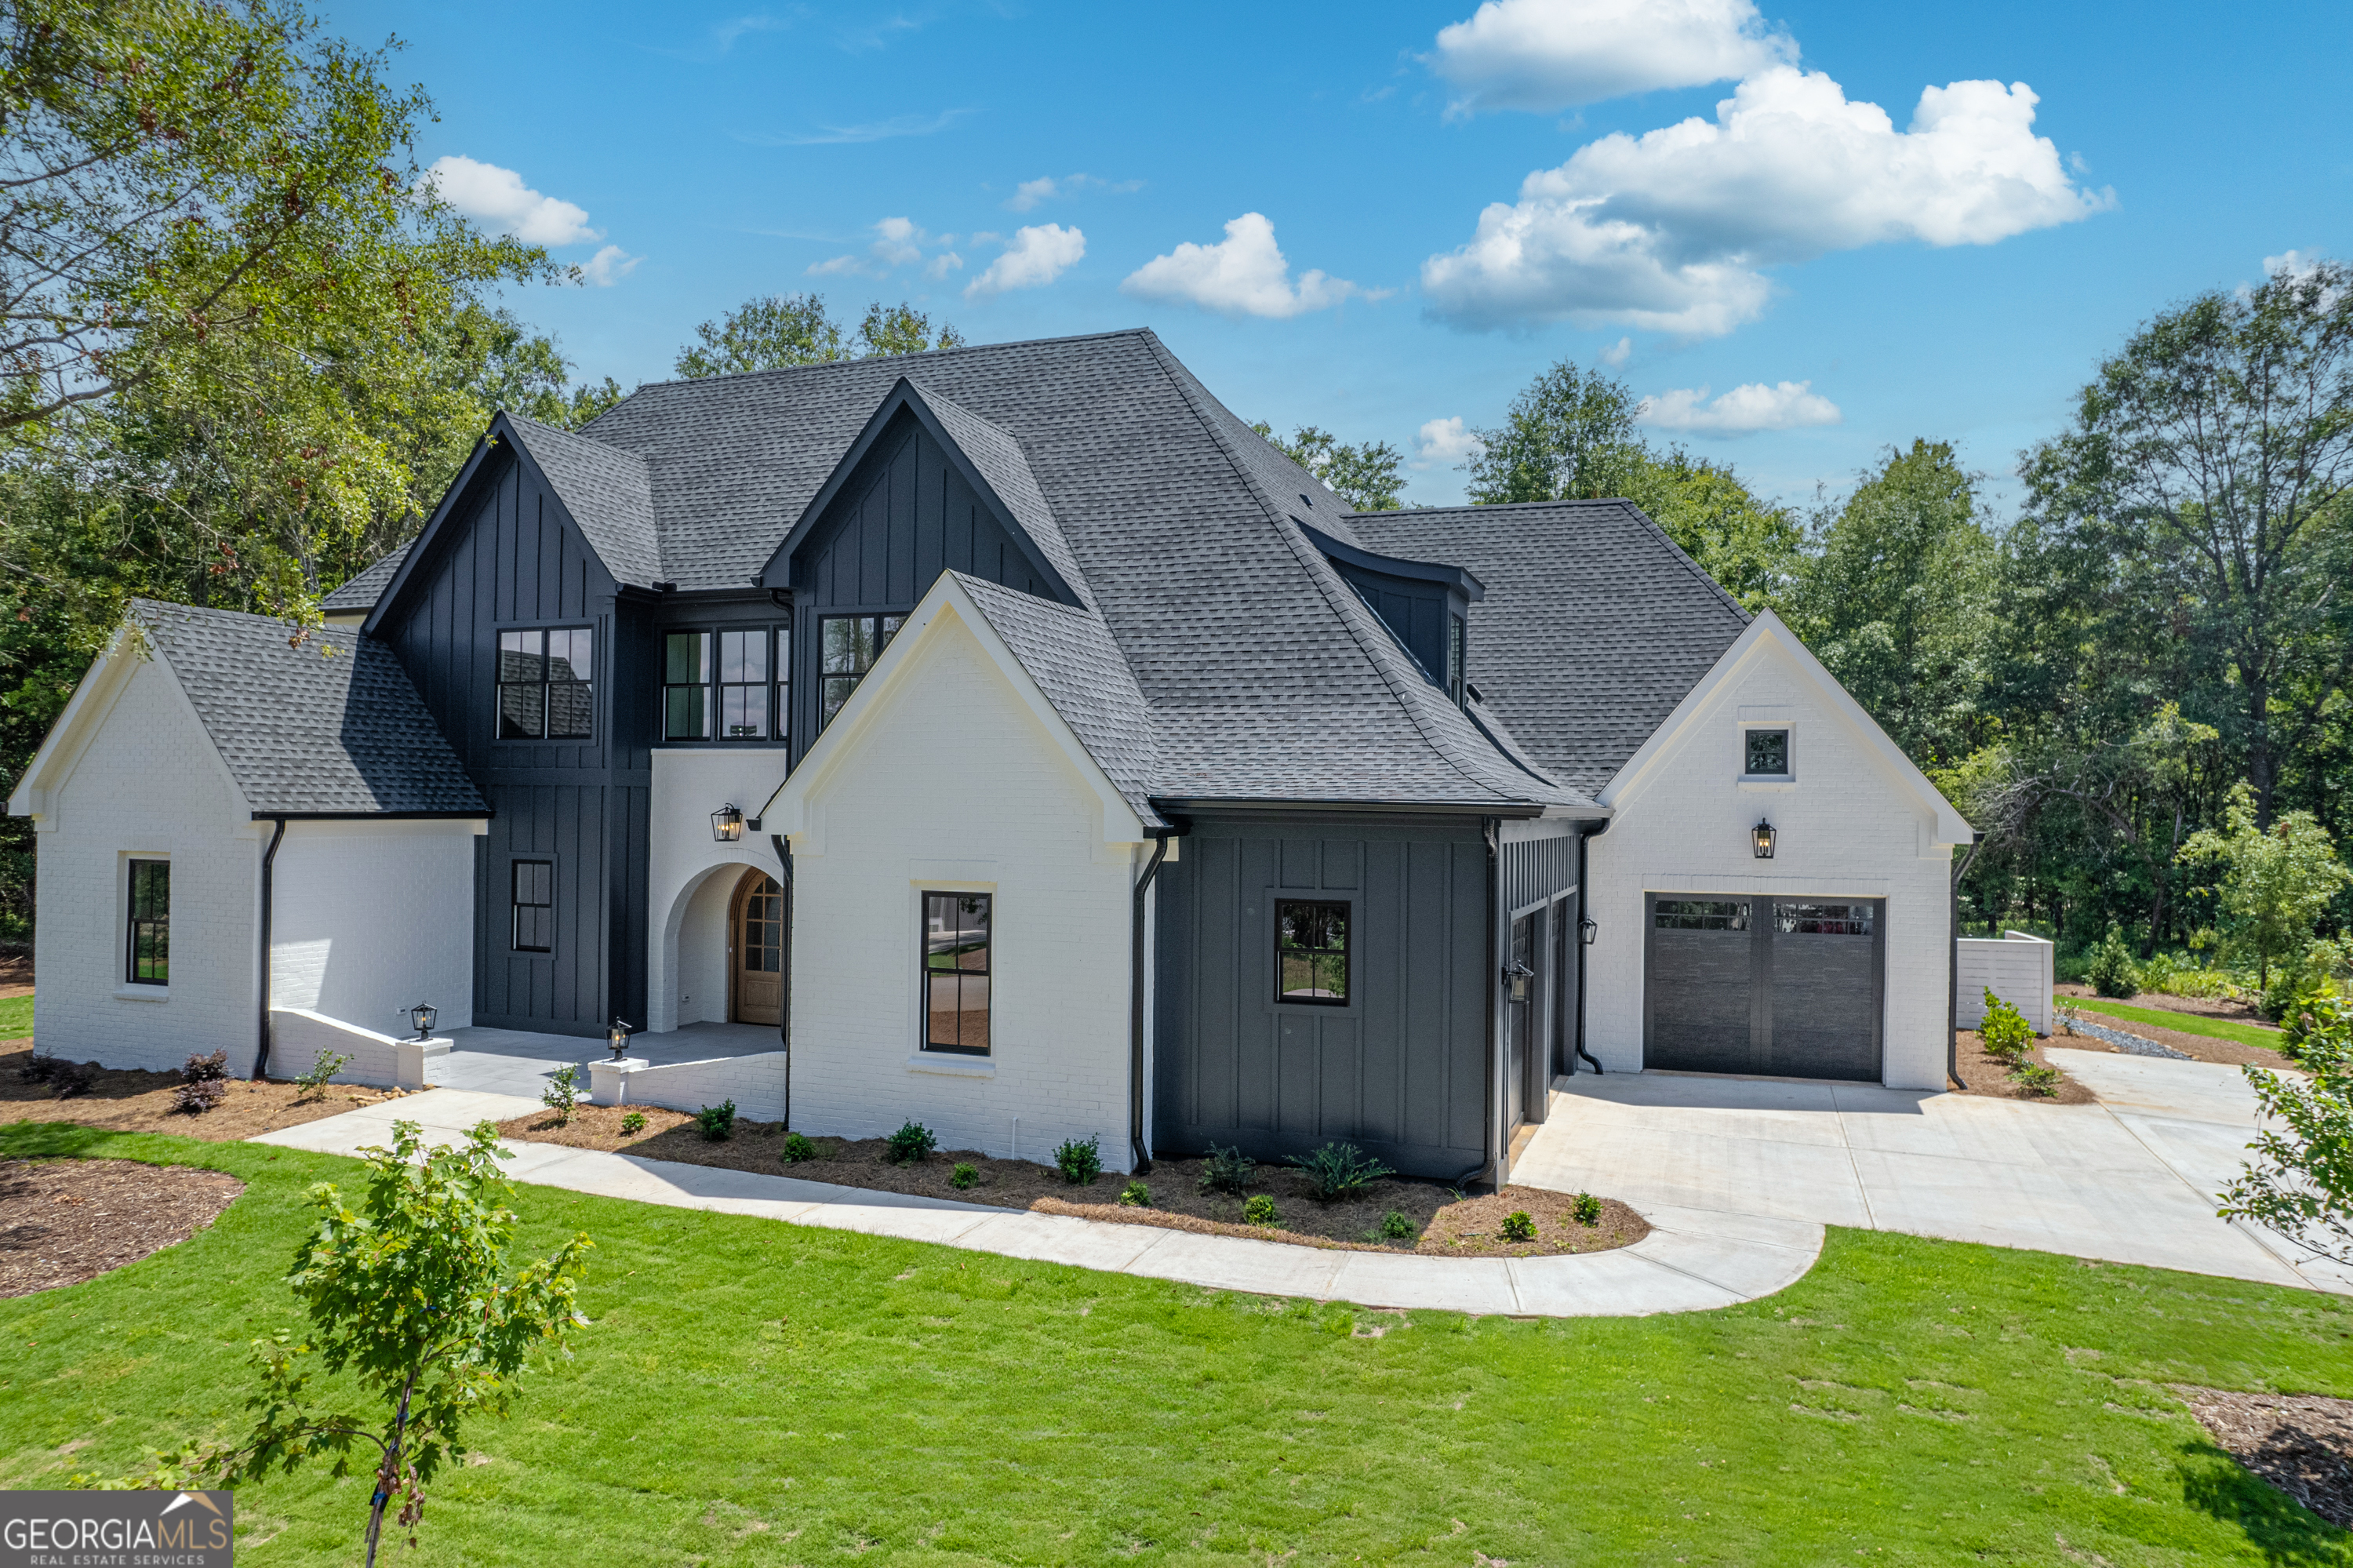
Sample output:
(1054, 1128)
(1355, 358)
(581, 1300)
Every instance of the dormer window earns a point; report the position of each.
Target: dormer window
(1454, 681)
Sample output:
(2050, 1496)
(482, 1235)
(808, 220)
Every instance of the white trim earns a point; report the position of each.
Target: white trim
(94, 697)
(950, 1064)
(144, 992)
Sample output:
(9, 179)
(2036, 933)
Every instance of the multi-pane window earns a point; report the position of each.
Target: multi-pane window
(150, 947)
(686, 686)
(763, 928)
(1700, 915)
(1823, 919)
(848, 646)
(956, 939)
(546, 683)
(1311, 952)
(1767, 752)
(743, 684)
(535, 905)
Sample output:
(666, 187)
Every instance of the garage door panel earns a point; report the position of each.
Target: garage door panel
(1787, 987)
(1825, 992)
(1701, 986)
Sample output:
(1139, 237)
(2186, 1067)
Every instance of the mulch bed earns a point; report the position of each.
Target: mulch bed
(1990, 1079)
(1445, 1224)
(65, 1221)
(127, 1099)
(2302, 1443)
(2198, 1047)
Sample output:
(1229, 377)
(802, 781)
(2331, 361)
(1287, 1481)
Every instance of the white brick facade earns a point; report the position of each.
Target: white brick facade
(947, 778)
(757, 1084)
(370, 917)
(692, 877)
(1854, 823)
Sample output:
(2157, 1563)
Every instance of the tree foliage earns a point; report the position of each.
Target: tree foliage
(1566, 437)
(1368, 475)
(774, 331)
(2300, 1182)
(2274, 881)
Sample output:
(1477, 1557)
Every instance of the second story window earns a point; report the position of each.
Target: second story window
(848, 646)
(546, 683)
(727, 684)
(743, 684)
(686, 686)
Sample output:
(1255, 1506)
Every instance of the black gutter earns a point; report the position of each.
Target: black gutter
(1135, 961)
(1583, 893)
(785, 1012)
(1953, 971)
(261, 1025)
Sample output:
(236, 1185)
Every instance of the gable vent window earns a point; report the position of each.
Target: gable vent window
(1768, 753)
(686, 686)
(150, 947)
(535, 905)
(848, 646)
(1310, 953)
(546, 683)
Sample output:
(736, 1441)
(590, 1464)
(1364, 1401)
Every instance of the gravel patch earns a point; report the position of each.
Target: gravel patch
(2133, 1044)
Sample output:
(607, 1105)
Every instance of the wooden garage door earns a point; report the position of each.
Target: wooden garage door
(1790, 986)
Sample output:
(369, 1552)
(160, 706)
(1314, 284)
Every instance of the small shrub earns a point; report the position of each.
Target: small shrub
(2070, 1015)
(965, 1177)
(1519, 1226)
(1136, 1195)
(633, 1123)
(37, 1069)
(1080, 1163)
(911, 1142)
(72, 1078)
(325, 1066)
(1260, 1211)
(716, 1122)
(1396, 1226)
(1340, 1170)
(2003, 1031)
(563, 1093)
(2035, 1078)
(1227, 1170)
(2319, 1032)
(198, 1096)
(798, 1149)
(212, 1069)
(2109, 966)
(1586, 1210)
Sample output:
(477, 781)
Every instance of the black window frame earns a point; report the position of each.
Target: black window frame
(1346, 951)
(1750, 736)
(1458, 658)
(765, 637)
(544, 684)
(543, 923)
(928, 973)
(709, 691)
(887, 625)
(155, 927)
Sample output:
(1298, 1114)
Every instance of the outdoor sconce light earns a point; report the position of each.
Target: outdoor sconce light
(617, 1038)
(727, 823)
(1761, 836)
(1586, 930)
(421, 1017)
(1516, 978)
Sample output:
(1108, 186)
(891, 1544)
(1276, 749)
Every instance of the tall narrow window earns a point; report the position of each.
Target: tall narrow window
(546, 683)
(535, 905)
(1455, 659)
(571, 674)
(1310, 953)
(956, 939)
(686, 686)
(743, 684)
(848, 646)
(150, 947)
(784, 684)
(522, 686)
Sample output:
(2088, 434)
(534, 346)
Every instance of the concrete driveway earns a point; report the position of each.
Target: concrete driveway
(2131, 1180)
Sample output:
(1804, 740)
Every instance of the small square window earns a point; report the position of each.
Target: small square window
(1310, 953)
(1768, 754)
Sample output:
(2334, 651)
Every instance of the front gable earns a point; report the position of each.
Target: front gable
(128, 655)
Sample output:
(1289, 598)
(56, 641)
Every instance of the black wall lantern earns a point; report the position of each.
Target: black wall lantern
(617, 1038)
(1761, 836)
(421, 1017)
(1586, 930)
(727, 823)
(1516, 978)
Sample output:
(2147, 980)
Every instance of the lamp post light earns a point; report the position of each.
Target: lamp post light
(727, 824)
(1761, 836)
(617, 1038)
(421, 1017)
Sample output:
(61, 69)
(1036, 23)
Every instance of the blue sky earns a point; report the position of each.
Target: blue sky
(1952, 268)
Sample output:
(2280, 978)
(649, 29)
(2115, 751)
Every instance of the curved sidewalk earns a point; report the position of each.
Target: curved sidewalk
(1693, 1260)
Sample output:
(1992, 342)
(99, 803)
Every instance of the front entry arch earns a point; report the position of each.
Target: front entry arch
(756, 951)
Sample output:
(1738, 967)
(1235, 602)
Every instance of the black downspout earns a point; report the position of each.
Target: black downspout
(1490, 1113)
(1584, 892)
(261, 1026)
(1135, 959)
(1952, 972)
(784, 1013)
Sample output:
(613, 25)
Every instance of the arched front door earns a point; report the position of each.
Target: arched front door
(756, 945)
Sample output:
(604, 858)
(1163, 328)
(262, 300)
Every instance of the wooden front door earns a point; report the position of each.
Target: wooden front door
(755, 944)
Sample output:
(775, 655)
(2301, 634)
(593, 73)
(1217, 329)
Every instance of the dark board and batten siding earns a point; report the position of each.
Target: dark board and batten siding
(906, 516)
(1414, 612)
(1401, 1070)
(513, 558)
(1535, 871)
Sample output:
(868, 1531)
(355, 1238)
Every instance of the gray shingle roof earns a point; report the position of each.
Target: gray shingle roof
(608, 492)
(363, 588)
(331, 727)
(1594, 627)
(999, 458)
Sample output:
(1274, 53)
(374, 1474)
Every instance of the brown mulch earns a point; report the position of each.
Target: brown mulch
(15, 974)
(128, 1099)
(1445, 1223)
(1991, 1079)
(65, 1221)
(2300, 1443)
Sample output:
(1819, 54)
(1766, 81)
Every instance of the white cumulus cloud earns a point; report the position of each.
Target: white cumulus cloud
(1789, 405)
(609, 266)
(498, 198)
(1618, 353)
(1029, 194)
(1670, 231)
(1449, 441)
(898, 242)
(1556, 54)
(1244, 274)
(1034, 257)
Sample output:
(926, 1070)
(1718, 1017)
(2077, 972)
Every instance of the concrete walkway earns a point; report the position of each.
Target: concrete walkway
(2133, 1179)
(1693, 1260)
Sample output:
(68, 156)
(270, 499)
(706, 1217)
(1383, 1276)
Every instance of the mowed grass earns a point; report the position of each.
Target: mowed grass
(16, 1017)
(2185, 1023)
(750, 1393)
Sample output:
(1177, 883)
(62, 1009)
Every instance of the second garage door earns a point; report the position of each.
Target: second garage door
(1745, 983)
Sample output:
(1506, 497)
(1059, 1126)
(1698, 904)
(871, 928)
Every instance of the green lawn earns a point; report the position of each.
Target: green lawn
(16, 1017)
(2185, 1023)
(756, 1393)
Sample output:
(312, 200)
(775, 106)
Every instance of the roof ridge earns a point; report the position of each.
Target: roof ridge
(846, 360)
(1632, 508)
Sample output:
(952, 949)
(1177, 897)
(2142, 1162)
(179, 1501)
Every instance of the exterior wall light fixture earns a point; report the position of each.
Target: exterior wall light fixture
(1761, 836)
(617, 1038)
(421, 1017)
(1516, 978)
(1586, 930)
(727, 823)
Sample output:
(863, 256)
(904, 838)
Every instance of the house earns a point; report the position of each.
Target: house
(1034, 747)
